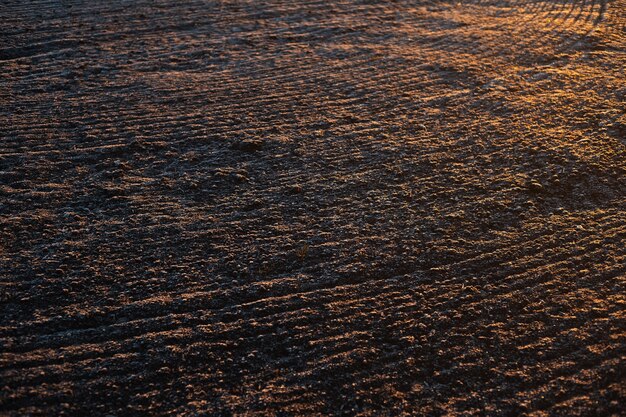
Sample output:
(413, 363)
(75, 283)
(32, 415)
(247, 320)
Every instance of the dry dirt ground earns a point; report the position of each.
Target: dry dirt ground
(313, 207)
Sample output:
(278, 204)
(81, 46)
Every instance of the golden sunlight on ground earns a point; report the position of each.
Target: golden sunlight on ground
(313, 207)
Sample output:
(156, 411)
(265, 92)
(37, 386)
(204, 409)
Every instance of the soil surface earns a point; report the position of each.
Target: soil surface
(313, 207)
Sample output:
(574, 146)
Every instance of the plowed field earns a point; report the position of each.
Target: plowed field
(349, 207)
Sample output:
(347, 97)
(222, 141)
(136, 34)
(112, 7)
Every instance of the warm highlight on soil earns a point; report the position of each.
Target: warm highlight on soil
(349, 207)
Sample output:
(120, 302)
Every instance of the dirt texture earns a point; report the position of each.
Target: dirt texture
(285, 208)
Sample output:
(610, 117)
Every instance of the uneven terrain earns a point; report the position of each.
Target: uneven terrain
(349, 207)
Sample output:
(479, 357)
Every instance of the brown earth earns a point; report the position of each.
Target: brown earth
(313, 207)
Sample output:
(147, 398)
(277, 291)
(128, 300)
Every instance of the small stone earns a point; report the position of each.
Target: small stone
(295, 189)
(535, 186)
(239, 177)
(248, 145)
